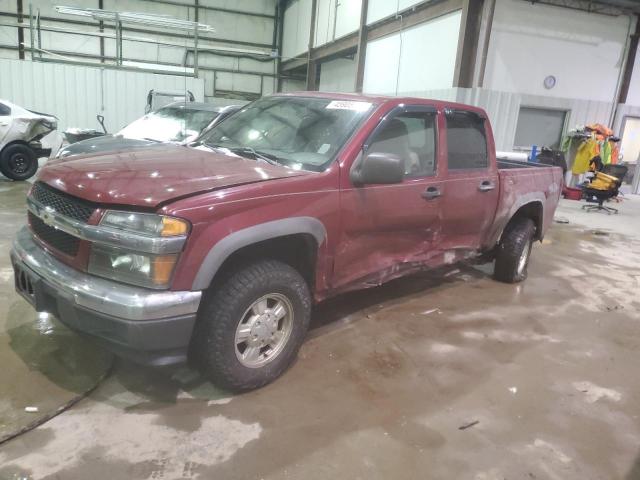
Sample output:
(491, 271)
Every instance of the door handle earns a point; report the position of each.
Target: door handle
(431, 192)
(486, 186)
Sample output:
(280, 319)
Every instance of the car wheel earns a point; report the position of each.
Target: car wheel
(514, 251)
(251, 326)
(18, 162)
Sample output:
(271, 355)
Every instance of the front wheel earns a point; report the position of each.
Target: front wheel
(514, 251)
(18, 162)
(251, 327)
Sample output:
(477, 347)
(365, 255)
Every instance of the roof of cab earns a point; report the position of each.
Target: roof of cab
(380, 99)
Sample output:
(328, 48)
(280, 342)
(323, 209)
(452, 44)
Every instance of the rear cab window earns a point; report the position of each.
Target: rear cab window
(5, 111)
(466, 141)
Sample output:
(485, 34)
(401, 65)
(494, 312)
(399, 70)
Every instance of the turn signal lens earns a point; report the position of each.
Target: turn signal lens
(173, 226)
(163, 268)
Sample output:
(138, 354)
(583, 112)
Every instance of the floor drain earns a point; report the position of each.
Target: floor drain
(600, 233)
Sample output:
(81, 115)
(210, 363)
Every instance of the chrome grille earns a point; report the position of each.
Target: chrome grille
(58, 239)
(62, 203)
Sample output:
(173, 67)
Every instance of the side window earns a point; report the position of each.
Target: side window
(466, 141)
(411, 136)
(4, 110)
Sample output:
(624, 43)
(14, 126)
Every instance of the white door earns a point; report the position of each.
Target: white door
(630, 148)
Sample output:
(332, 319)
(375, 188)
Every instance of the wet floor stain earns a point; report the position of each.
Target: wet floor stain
(45, 367)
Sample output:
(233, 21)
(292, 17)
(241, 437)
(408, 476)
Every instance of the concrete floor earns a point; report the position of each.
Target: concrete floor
(543, 374)
(44, 365)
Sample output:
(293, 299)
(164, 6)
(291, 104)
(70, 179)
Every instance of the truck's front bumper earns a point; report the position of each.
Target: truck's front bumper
(150, 327)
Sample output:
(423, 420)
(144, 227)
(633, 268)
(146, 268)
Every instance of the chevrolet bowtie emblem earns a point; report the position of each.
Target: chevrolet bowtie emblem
(47, 216)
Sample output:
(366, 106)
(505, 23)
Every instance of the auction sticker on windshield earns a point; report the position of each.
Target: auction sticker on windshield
(349, 105)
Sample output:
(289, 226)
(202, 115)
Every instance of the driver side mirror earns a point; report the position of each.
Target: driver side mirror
(377, 168)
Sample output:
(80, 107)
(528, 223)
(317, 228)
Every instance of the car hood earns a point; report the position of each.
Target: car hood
(151, 177)
(106, 143)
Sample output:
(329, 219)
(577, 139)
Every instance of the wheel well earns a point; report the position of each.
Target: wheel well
(533, 211)
(299, 251)
(15, 142)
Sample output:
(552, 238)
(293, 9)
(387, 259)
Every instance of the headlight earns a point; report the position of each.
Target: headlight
(145, 223)
(142, 269)
(137, 268)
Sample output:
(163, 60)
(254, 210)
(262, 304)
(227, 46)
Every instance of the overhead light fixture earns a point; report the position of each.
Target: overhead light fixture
(164, 21)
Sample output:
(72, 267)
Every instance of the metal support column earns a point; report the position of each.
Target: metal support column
(19, 10)
(31, 31)
(470, 25)
(101, 28)
(361, 53)
(631, 59)
(278, 42)
(195, 42)
(118, 41)
(312, 65)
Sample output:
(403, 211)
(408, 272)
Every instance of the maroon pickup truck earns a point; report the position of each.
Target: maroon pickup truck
(216, 252)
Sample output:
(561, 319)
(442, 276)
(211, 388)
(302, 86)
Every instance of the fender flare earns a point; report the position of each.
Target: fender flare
(526, 199)
(250, 235)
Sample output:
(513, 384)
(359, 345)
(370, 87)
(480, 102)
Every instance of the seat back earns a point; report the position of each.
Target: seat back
(618, 171)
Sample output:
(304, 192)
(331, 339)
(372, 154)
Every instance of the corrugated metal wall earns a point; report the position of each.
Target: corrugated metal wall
(75, 94)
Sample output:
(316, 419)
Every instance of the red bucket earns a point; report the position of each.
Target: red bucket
(571, 193)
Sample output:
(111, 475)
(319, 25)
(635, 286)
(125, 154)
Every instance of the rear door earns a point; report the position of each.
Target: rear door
(470, 198)
(388, 227)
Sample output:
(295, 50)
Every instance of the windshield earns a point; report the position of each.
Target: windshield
(169, 124)
(300, 132)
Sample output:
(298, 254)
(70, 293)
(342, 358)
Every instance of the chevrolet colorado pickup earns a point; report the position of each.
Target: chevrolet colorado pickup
(216, 252)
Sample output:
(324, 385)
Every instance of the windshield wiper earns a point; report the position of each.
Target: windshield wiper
(243, 151)
(265, 157)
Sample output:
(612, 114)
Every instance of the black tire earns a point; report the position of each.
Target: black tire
(514, 251)
(18, 162)
(224, 307)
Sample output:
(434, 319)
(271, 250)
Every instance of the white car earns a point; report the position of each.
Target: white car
(20, 133)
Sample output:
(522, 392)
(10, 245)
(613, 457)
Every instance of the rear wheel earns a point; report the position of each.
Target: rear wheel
(514, 251)
(251, 326)
(18, 162)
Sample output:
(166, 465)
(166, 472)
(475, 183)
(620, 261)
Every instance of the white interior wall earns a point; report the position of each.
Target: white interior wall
(419, 58)
(296, 29)
(380, 9)
(529, 42)
(335, 19)
(338, 75)
(291, 85)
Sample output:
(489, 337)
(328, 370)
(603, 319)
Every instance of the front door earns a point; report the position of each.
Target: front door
(388, 228)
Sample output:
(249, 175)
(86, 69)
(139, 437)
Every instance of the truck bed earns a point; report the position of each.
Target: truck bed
(522, 183)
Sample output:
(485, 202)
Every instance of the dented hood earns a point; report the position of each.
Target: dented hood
(149, 177)
(25, 125)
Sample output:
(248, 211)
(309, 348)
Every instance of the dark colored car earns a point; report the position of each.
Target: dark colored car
(219, 252)
(177, 123)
